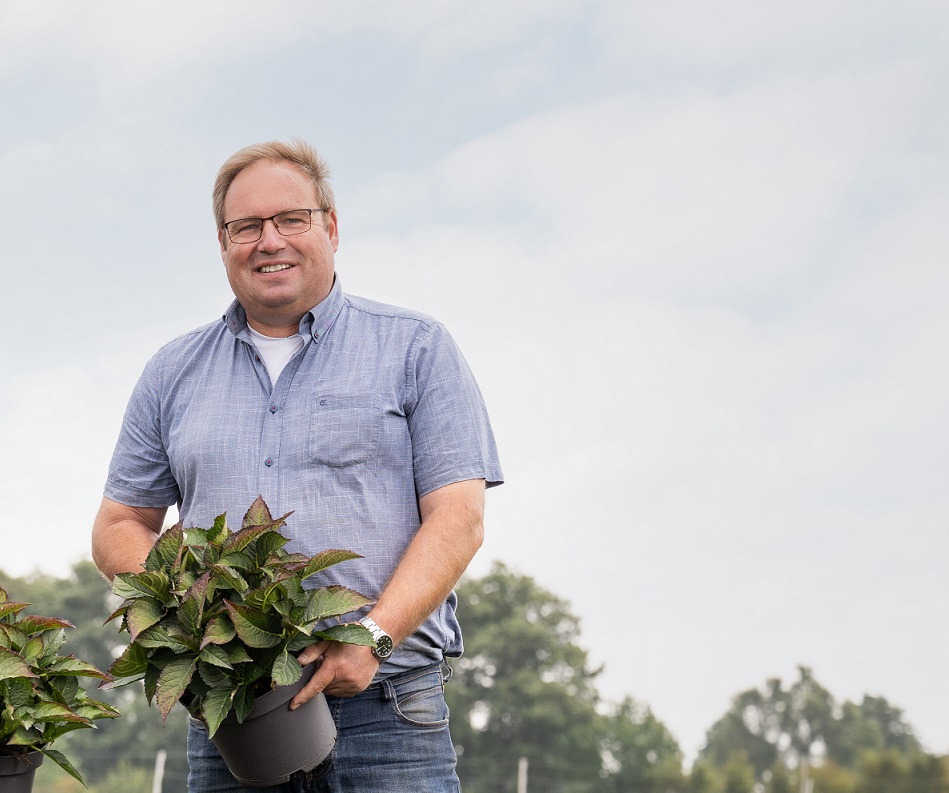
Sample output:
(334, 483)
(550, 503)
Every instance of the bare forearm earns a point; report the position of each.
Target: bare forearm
(451, 533)
(123, 536)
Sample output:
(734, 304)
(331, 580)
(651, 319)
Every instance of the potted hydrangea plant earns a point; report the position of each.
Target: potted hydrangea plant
(216, 619)
(40, 695)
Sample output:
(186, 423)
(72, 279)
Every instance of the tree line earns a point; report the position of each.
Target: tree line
(525, 688)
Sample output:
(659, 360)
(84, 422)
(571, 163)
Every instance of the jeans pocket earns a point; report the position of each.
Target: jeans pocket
(420, 701)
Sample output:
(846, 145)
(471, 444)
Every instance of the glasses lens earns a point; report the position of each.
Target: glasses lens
(295, 221)
(244, 230)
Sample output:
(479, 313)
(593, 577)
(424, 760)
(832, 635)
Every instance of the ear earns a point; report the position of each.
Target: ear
(331, 224)
(221, 241)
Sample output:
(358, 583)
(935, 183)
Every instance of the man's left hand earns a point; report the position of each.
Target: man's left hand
(343, 670)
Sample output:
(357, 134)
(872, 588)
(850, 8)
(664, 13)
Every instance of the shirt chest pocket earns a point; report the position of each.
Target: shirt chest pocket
(344, 428)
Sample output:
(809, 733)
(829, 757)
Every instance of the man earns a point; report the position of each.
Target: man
(363, 419)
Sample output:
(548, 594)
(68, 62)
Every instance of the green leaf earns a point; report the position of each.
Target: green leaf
(12, 665)
(243, 703)
(216, 706)
(327, 559)
(286, 670)
(55, 712)
(60, 759)
(332, 601)
(123, 587)
(132, 663)
(269, 544)
(72, 666)
(212, 654)
(350, 633)
(10, 607)
(241, 539)
(219, 532)
(252, 627)
(173, 682)
(142, 614)
(189, 617)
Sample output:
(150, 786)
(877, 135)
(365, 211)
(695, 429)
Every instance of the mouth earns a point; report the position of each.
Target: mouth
(273, 268)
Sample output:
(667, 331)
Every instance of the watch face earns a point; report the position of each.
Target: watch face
(383, 646)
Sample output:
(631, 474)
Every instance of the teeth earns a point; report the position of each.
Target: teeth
(274, 268)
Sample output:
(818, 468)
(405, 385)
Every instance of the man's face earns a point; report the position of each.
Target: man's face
(278, 279)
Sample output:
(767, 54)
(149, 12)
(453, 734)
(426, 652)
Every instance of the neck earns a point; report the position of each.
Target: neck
(274, 330)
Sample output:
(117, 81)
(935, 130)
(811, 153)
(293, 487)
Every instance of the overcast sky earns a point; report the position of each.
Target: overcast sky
(696, 254)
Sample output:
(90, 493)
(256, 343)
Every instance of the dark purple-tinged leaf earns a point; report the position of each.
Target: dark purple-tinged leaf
(30, 624)
(164, 553)
(219, 630)
(252, 627)
(257, 515)
(173, 682)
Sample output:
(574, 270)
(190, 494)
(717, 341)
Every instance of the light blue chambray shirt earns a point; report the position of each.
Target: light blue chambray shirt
(377, 409)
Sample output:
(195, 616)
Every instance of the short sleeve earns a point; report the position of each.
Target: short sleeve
(140, 474)
(451, 433)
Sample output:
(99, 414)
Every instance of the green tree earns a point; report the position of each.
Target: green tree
(525, 688)
(774, 723)
(638, 752)
(873, 725)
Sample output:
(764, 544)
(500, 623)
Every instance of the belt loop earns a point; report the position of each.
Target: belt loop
(388, 691)
(448, 673)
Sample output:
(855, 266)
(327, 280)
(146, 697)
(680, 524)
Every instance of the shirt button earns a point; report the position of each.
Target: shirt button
(257, 358)
(268, 462)
(273, 408)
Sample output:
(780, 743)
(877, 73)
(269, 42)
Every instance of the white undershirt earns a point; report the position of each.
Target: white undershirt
(276, 352)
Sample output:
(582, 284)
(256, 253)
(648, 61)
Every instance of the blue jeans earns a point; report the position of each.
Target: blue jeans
(393, 737)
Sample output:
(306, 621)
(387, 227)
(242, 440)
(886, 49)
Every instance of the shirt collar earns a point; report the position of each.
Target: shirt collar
(316, 322)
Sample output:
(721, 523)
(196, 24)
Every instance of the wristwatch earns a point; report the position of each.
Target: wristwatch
(384, 646)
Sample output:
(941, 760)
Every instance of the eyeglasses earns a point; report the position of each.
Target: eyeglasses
(293, 221)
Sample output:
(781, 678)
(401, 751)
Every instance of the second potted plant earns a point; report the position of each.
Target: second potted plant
(215, 622)
(40, 696)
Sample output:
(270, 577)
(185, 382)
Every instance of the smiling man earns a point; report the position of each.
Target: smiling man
(361, 418)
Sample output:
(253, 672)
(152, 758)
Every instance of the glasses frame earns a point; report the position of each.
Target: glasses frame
(272, 219)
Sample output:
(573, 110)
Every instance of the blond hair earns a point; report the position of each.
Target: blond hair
(297, 152)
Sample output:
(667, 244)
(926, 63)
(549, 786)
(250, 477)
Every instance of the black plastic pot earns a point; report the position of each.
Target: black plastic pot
(273, 742)
(17, 771)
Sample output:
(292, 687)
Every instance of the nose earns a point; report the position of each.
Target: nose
(270, 239)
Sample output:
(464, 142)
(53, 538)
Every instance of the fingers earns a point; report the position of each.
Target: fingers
(343, 671)
(321, 678)
(312, 653)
